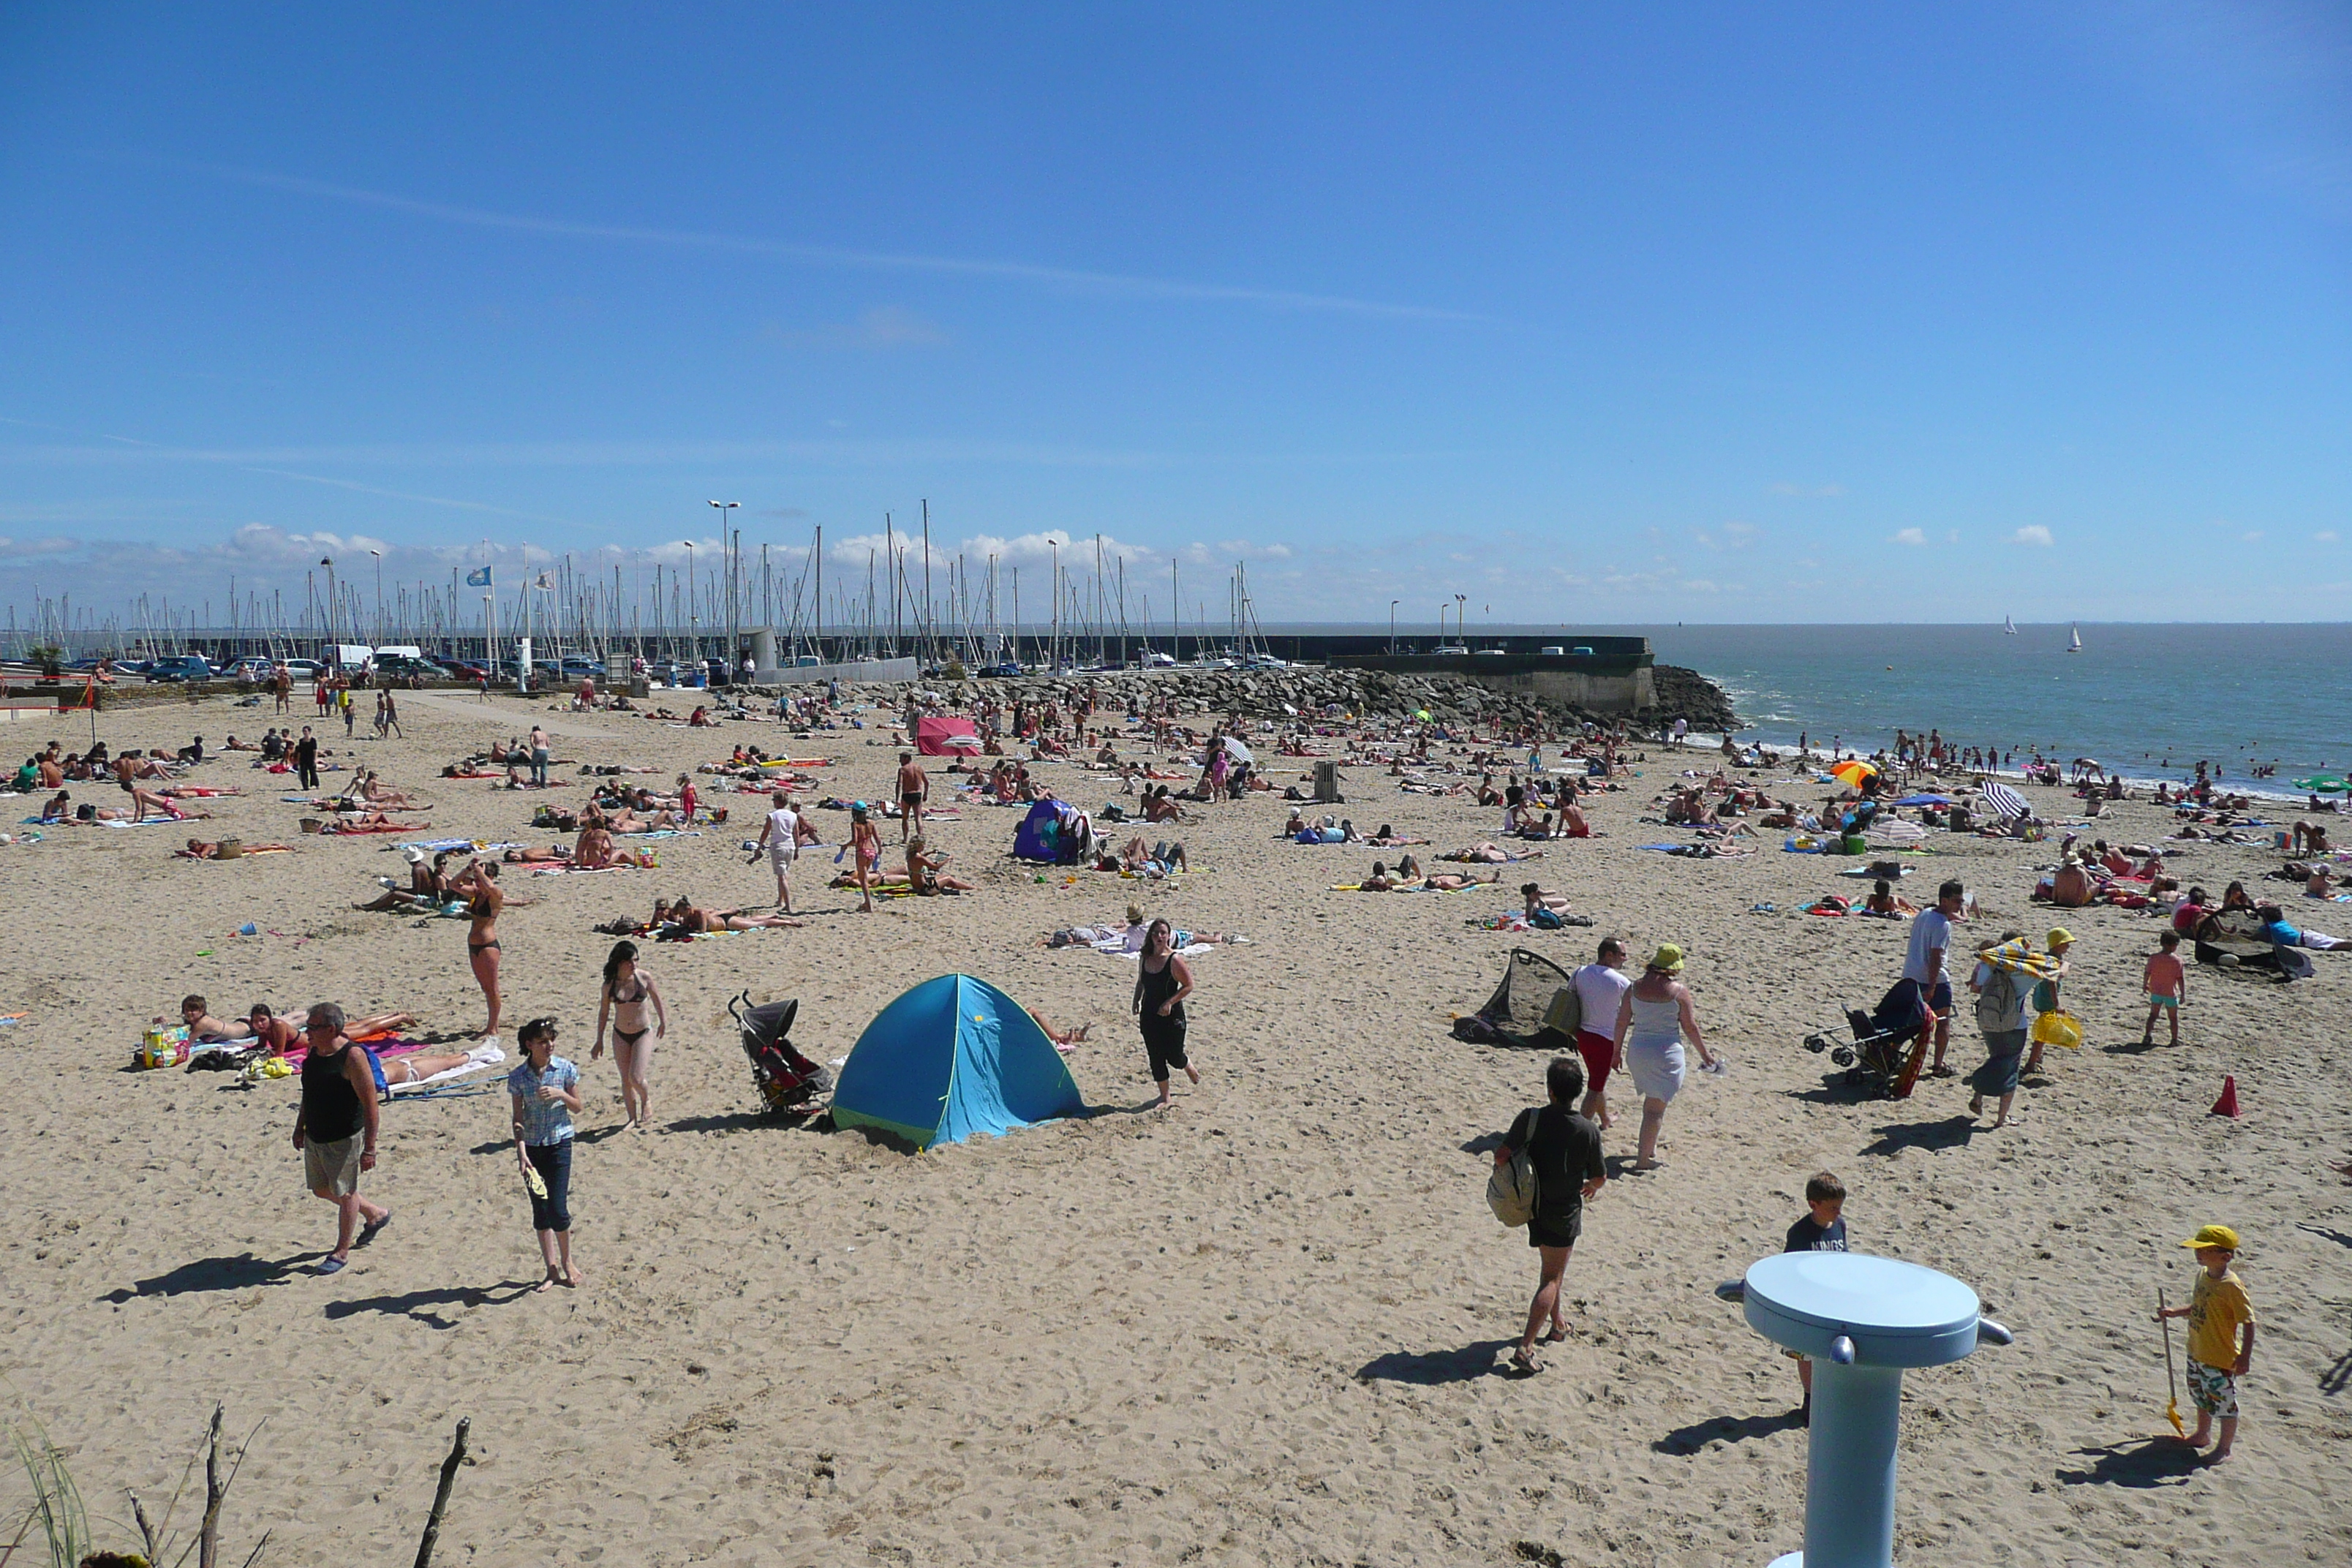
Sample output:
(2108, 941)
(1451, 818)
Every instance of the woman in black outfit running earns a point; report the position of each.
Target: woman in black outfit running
(1163, 980)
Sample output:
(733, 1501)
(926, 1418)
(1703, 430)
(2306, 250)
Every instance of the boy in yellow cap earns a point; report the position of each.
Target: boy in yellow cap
(2217, 1309)
(2045, 995)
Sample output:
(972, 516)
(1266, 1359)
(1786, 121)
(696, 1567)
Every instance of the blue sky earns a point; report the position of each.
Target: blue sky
(1697, 313)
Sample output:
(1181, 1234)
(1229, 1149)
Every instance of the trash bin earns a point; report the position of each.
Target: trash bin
(1327, 785)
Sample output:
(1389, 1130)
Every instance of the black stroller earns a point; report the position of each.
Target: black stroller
(1889, 1046)
(787, 1080)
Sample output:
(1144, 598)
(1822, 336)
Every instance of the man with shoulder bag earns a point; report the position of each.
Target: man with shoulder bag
(1557, 1152)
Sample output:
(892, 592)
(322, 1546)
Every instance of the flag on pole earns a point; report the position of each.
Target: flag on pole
(546, 583)
(479, 577)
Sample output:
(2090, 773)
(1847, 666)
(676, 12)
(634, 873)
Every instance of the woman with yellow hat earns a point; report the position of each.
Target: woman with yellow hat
(1650, 1023)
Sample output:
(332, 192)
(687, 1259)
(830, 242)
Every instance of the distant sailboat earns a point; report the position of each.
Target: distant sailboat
(2009, 626)
(2076, 646)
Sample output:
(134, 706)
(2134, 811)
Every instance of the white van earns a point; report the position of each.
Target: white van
(400, 650)
(349, 656)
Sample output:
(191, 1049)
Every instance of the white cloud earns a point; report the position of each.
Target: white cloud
(52, 546)
(2325, 536)
(1913, 536)
(2032, 533)
(1807, 492)
(2252, 536)
(884, 327)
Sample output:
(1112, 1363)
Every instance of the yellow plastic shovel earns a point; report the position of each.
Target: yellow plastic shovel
(2172, 1386)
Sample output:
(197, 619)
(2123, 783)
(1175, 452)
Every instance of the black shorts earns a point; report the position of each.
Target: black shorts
(1556, 1229)
(1163, 1041)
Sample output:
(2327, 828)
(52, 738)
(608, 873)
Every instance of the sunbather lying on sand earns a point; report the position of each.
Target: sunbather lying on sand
(198, 849)
(144, 802)
(686, 916)
(1489, 853)
(1062, 1039)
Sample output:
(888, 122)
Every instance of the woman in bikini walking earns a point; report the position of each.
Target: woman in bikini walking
(479, 882)
(627, 989)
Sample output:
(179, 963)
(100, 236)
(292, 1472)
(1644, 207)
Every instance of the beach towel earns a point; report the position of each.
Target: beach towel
(489, 1058)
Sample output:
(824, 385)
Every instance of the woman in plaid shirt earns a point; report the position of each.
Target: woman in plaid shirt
(546, 1090)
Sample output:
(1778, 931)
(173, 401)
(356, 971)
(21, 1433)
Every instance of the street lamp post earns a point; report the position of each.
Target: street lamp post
(693, 621)
(1461, 608)
(328, 563)
(379, 595)
(1393, 604)
(734, 631)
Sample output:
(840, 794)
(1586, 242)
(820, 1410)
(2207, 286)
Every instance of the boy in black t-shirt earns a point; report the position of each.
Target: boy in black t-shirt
(1564, 1149)
(1821, 1230)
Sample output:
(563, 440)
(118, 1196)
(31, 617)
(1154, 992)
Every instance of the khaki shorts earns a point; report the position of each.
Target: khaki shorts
(333, 1168)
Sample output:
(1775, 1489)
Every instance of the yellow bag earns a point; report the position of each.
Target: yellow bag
(2059, 1028)
(162, 1048)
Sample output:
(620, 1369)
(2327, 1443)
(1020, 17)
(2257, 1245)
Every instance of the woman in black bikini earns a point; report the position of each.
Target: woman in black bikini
(479, 882)
(627, 989)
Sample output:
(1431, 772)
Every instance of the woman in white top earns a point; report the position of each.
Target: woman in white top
(1650, 1023)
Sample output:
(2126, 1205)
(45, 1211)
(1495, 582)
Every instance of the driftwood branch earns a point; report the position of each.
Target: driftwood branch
(441, 1495)
(208, 1534)
(146, 1530)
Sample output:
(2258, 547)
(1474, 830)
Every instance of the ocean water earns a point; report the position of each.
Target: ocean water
(2149, 699)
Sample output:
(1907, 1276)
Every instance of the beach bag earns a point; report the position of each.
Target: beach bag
(1566, 1013)
(1546, 920)
(2057, 1029)
(2045, 996)
(1511, 1190)
(1997, 1003)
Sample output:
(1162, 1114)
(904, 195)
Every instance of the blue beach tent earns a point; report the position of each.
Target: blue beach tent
(953, 1057)
(1040, 835)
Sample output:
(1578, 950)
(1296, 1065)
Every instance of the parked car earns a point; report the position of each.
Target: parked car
(677, 672)
(462, 669)
(180, 667)
(1006, 670)
(400, 667)
(304, 668)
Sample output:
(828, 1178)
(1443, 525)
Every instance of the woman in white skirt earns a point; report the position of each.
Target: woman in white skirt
(1652, 1021)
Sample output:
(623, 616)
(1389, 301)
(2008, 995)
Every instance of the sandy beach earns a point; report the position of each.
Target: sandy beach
(1267, 1327)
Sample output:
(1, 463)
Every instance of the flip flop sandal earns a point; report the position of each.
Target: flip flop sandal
(1525, 1361)
(368, 1231)
(1553, 1338)
(332, 1265)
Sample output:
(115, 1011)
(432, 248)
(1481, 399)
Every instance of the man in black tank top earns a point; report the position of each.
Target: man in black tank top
(336, 1131)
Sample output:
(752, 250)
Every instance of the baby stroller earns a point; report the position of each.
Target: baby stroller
(787, 1080)
(1889, 1046)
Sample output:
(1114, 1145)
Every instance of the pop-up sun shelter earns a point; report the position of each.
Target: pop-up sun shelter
(953, 1057)
(941, 736)
(1054, 832)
